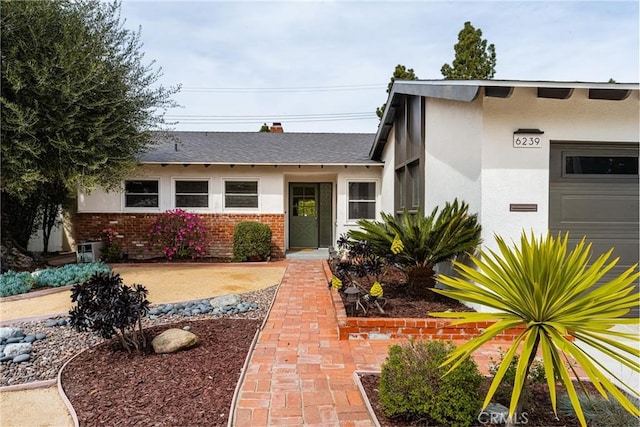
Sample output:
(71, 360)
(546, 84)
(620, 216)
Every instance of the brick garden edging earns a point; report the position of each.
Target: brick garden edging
(381, 328)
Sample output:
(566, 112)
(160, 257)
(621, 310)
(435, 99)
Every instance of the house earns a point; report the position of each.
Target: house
(558, 156)
(526, 155)
(308, 187)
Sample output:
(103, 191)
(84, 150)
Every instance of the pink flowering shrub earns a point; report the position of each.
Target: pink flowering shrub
(178, 234)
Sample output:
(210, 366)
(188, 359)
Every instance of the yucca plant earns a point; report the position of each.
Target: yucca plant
(419, 242)
(560, 298)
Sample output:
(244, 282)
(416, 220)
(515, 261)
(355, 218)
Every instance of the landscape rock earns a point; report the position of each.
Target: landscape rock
(497, 411)
(10, 333)
(12, 259)
(21, 358)
(13, 350)
(224, 300)
(173, 340)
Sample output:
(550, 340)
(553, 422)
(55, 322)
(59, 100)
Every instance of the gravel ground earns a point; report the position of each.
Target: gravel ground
(62, 342)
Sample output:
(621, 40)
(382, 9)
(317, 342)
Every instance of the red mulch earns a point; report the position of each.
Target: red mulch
(539, 412)
(403, 303)
(107, 386)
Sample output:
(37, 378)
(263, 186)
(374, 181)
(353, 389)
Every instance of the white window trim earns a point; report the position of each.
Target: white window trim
(187, 178)
(240, 179)
(123, 199)
(375, 200)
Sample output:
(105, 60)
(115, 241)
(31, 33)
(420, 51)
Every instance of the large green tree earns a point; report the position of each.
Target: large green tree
(474, 59)
(78, 102)
(400, 73)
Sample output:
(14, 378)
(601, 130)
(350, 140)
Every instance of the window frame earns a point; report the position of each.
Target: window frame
(140, 208)
(374, 200)
(174, 193)
(241, 208)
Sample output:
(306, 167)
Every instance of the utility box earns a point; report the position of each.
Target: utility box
(89, 251)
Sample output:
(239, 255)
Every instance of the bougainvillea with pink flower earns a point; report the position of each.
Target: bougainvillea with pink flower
(178, 234)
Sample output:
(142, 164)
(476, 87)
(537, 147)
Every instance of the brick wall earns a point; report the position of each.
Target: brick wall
(358, 328)
(133, 229)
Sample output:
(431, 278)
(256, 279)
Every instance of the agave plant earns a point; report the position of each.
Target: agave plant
(420, 242)
(560, 299)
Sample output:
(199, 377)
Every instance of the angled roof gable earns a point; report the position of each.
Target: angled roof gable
(468, 90)
(260, 148)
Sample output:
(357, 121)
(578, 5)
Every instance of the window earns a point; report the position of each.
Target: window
(241, 194)
(192, 194)
(601, 165)
(141, 194)
(362, 200)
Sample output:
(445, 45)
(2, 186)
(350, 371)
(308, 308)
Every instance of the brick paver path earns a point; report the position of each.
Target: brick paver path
(300, 373)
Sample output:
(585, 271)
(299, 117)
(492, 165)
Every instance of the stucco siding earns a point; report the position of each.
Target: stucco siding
(521, 175)
(453, 151)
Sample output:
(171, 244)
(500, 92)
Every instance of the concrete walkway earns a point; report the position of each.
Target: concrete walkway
(300, 373)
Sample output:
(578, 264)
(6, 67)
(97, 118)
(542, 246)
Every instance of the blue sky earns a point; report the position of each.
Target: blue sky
(323, 66)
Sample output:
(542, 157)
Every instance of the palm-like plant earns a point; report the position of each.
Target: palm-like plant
(558, 297)
(425, 240)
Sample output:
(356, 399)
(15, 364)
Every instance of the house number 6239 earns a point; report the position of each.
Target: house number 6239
(520, 141)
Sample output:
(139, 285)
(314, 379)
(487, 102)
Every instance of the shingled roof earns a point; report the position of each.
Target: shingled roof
(260, 148)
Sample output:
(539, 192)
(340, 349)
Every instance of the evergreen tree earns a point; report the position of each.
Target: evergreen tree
(77, 102)
(400, 73)
(474, 59)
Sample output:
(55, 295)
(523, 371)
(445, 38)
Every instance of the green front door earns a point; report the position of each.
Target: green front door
(303, 215)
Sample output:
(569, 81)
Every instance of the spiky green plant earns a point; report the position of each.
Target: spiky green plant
(420, 242)
(560, 298)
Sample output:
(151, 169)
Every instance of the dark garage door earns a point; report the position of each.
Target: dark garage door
(594, 193)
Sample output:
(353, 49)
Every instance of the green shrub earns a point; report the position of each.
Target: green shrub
(503, 393)
(251, 240)
(69, 274)
(107, 307)
(419, 242)
(413, 385)
(14, 283)
(600, 412)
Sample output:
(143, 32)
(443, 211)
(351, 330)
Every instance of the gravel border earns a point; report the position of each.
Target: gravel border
(63, 342)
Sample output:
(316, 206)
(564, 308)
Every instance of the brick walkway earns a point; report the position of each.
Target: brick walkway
(300, 373)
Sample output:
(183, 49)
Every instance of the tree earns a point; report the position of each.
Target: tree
(264, 128)
(400, 73)
(474, 59)
(77, 102)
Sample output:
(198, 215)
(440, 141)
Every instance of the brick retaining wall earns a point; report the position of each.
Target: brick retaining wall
(354, 328)
(133, 230)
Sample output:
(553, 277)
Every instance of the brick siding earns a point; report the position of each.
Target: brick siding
(133, 230)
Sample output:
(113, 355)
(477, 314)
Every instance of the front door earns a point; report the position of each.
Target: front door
(303, 215)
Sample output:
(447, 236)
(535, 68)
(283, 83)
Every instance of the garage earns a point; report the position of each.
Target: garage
(594, 193)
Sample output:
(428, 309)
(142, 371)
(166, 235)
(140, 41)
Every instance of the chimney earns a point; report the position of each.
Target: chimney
(276, 127)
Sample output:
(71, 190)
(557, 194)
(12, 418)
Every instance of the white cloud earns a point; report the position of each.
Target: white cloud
(292, 44)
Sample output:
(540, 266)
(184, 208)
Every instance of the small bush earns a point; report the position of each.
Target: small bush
(505, 389)
(14, 283)
(178, 234)
(414, 386)
(600, 412)
(107, 307)
(111, 251)
(251, 240)
(69, 274)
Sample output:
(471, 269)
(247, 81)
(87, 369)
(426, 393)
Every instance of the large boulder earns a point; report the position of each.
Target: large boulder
(225, 300)
(173, 340)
